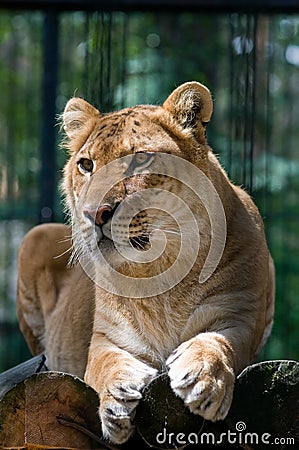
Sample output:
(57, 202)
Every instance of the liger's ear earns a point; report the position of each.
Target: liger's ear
(190, 104)
(78, 117)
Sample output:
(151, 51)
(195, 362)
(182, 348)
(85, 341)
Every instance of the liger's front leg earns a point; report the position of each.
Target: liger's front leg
(119, 379)
(201, 373)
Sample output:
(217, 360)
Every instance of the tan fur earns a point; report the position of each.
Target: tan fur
(203, 334)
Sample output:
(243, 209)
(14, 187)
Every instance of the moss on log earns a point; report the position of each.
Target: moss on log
(266, 401)
(265, 411)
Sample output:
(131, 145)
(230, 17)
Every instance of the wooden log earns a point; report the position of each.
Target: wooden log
(57, 410)
(265, 407)
(12, 377)
(52, 409)
(161, 415)
(266, 404)
(164, 422)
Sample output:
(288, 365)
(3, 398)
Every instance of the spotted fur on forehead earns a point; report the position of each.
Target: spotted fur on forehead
(112, 124)
(124, 132)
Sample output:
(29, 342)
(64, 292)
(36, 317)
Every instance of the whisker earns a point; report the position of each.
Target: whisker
(68, 250)
(139, 241)
(66, 238)
(170, 231)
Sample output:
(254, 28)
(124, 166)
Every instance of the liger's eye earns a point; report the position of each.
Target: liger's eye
(140, 158)
(85, 165)
(140, 162)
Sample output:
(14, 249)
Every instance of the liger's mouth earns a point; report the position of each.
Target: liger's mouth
(139, 242)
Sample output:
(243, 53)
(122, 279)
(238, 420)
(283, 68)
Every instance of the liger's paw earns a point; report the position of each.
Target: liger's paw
(200, 374)
(119, 401)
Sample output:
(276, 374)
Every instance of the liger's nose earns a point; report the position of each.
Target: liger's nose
(99, 216)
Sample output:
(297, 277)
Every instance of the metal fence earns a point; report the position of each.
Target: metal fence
(118, 58)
